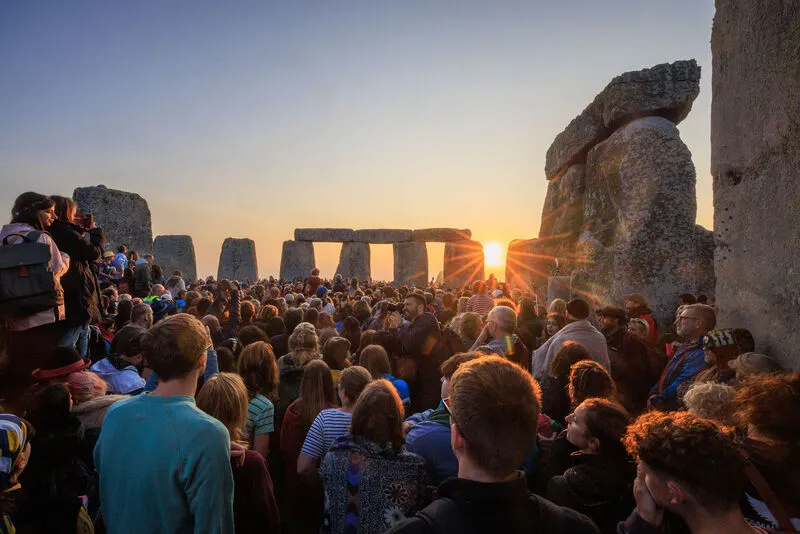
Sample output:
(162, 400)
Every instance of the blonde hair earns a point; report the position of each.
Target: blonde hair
(711, 401)
(304, 344)
(224, 398)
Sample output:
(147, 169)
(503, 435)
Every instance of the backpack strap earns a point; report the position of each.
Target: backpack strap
(443, 516)
(32, 236)
(768, 496)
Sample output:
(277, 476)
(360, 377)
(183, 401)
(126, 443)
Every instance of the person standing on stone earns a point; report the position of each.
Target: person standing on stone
(578, 329)
(694, 322)
(81, 288)
(636, 306)
(121, 259)
(142, 281)
(630, 360)
(31, 337)
(313, 282)
(175, 284)
(420, 339)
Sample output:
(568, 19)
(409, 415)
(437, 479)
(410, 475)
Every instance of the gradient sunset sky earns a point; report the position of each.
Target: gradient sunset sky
(252, 118)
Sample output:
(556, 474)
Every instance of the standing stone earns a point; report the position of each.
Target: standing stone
(639, 215)
(527, 265)
(667, 90)
(559, 287)
(176, 252)
(410, 263)
(463, 263)
(755, 162)
(297, 259)
(237, 261)
(354, 261)
(124, 216)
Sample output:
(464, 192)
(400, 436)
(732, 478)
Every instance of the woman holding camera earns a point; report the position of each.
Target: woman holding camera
(81, 289)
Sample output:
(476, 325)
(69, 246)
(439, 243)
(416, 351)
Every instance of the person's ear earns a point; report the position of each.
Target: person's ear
(594, 444)
(677, 496)
(457, 441)
(201, 363)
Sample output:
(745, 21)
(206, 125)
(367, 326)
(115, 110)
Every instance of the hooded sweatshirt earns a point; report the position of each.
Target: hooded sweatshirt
(122, 377)
(579, 331)
(59, 264)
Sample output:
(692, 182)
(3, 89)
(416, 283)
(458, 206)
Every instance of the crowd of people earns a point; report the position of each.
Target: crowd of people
(134, 402)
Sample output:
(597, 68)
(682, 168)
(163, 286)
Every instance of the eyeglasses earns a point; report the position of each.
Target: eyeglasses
(446, 404)
(209, 347)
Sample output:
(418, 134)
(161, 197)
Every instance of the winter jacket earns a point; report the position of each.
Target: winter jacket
(646, 314)
(598, 487)
(123, 378)
(512, 348)
(92, 412)
(579, 331)
(141, 278)
(684, 365)
(81, 288)
(631, 369)
(59, 264)
(254, 506)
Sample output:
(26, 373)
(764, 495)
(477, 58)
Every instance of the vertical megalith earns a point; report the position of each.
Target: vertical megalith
(640, 207)
(755, 162)
(463, 262)
(410, 263)
(297, 259)
(176, 252)
(124, 216)
(237, 261)
(354, 261)
(559, 287)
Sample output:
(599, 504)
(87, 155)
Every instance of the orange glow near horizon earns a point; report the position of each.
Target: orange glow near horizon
(493, 254)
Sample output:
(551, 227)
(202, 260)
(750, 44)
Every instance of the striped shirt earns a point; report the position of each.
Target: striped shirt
(480, 304)
(260, 416)
(327, 426)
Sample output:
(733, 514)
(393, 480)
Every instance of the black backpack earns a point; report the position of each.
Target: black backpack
(27, 284)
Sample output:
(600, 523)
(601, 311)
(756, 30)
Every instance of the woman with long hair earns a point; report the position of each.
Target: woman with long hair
(225, 398)
(302, 496)
(81, 288)
(32, 334)
(600, 482)
(370, 481)
(332, 423)
(259, 371)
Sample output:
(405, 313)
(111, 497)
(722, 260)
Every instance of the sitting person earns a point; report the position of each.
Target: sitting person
(333, 423)
(375, 359)
(370, 482)
(687, 467)
(600, 482)
(225, 398)
(122, 370)
(428, 432)
(490, 494)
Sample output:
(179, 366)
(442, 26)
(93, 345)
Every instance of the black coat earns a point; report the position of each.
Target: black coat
(81, 289)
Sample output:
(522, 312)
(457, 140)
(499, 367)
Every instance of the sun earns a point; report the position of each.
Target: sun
(493, 254)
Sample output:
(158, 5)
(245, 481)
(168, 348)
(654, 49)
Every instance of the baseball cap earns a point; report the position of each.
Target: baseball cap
(752, 363)
(612, 311)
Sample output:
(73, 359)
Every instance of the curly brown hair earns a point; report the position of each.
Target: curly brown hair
(589, 379)
(699, 454)
(756, 401)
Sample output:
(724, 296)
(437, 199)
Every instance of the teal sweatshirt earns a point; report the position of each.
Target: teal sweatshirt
(164, 466)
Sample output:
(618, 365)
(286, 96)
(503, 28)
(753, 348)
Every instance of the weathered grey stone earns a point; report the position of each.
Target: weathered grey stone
(463, 263)
(559, 287)
(379, 236)
(176, 252)
(322, 235)
(527, 265)
(440, 234)
(562, 215)
(571, 145)
(237, 260)
(667, 90)
(410, 263)
(704, 261)
(124, 216)
(297, 259)
(639, 215)
(755, 162)
(354, 261)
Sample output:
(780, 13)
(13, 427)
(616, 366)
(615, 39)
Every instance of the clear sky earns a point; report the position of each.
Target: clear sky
(252, 118)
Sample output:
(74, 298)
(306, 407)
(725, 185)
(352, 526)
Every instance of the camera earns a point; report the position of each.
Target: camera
(84, 220)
